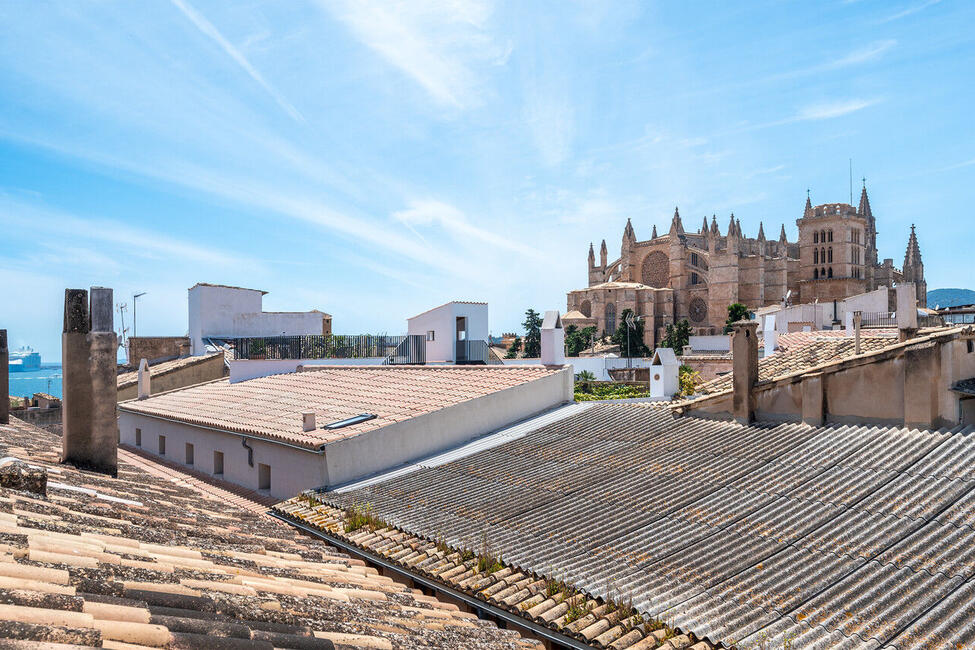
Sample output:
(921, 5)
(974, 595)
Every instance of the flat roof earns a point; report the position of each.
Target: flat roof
(449, 302)
(271, 407)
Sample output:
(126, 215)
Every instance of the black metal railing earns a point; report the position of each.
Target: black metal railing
(409, 349)
(471, 352)
(878, 319)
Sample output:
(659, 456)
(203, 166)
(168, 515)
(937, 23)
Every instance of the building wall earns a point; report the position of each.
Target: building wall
(443, 322)
(292, 470)
(280, 324)
(196, 373)
(152, 348)
(212, 311)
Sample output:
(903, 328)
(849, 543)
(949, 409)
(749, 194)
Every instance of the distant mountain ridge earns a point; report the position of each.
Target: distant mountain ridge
(950, 297)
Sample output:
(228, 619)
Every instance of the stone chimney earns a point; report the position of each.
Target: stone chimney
(89, 350)
(744, 350)
(145, 380)
(4, 379)
(308, 421)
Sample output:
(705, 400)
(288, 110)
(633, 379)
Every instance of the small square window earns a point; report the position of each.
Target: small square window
(189, 453)
(218, 462)
(263, 476)
(431, 335)
(162, 445)
(138, 437)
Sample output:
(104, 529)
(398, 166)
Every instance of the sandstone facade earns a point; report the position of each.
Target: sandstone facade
(696, 275)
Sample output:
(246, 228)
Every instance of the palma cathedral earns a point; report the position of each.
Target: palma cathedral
(695, 275)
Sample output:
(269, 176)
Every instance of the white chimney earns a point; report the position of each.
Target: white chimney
(553, 340)
(308, 421)
(144, 380)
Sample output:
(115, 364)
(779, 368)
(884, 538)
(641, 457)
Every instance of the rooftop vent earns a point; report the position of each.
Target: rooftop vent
(348, 422)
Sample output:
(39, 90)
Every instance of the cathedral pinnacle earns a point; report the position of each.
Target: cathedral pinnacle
(912, 258)
(782, 237)
(864, 209)
(808, 210)
(731, 226)
(761, 231)
(714, 226)
(704, 228)
(653, 235)
(676, 227)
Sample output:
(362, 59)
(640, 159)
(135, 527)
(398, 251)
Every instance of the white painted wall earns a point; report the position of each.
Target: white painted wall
(292, 470)
(598, 366)
(442, 321)
(714, 343)
(244, 369)
(230, 312)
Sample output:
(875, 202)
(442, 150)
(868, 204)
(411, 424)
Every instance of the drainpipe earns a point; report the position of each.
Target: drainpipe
(250, 451)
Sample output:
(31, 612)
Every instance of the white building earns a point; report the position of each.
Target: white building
(219, 311)
(328, 425)
(455, 332)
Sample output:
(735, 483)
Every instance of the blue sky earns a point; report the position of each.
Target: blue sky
(372, 159)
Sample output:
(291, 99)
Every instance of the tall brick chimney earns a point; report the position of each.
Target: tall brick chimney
(744, 350)
(90, 394)
(4, 379)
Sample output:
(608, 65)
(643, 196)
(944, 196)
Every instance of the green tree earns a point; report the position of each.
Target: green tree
(736, 312)
(677, 336)
(637, 348)
(533, 334)
(577, 340)
(513, 349)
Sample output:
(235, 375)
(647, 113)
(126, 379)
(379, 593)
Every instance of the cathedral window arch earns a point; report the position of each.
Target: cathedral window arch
(822, 254)
(815, 256)
(822, 236)
(822, 272)
(830, 256)
(830, 273)
(586, 308)
(610, 314)
(815, 274)
(815, 237)
(829, 234)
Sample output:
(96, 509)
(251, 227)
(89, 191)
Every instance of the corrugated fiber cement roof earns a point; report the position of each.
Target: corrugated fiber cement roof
(844, 536)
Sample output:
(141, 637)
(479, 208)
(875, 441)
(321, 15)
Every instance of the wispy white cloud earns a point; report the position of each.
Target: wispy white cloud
(437, 44)
(208, 29)
(64, 231)
(830, 110)
(431, 212)
(909, 11)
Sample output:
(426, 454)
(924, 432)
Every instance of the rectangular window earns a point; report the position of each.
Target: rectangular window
(218, 462)
(694, 259)
(263, 476)
(162, 445)
(189, 453)
(431, 335)
(138, 437)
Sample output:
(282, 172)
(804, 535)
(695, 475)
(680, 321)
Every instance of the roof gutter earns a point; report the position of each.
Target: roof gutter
(557, 639)
(312, 450)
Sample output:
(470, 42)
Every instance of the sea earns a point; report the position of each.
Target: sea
(46, 379)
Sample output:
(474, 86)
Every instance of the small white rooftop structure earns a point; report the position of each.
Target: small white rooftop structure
(455, 332)
(221, 311)
(553, 339)
(664, 370)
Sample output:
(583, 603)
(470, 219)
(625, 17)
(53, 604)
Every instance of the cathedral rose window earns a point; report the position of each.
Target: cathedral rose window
(698, 310)
(656, 270)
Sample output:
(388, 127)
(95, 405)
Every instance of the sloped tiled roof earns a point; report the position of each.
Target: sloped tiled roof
(769, 534)
(146, 559)
(128, 375)
(802, 351)
(271, 407)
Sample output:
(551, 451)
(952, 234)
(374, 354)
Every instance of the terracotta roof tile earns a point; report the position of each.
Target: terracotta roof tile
(172, 562)
(271, 407)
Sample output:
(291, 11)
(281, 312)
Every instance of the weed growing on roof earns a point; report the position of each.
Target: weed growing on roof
(553, 587)
(466, 555)
(358, 517)
(487, 561)
(312, 500)
(578, 607)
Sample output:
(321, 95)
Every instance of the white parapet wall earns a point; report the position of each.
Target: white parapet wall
(598, 366)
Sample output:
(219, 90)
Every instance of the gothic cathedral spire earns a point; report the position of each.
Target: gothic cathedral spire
(914, 269)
